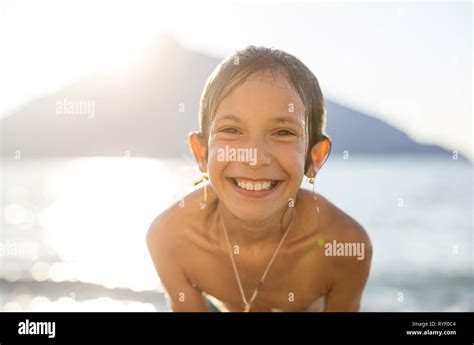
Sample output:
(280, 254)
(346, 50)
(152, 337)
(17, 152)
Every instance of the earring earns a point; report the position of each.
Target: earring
(311, 180)
(205, 178)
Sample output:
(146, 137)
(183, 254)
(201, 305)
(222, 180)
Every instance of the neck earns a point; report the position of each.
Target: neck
(255, 232)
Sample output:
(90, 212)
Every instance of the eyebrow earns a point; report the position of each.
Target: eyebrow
(290, 119)
(279, 119)
(229, 117)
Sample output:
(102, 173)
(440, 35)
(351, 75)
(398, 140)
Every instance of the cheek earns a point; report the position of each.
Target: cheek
(302, 145)
(214, 166)
(292, 157)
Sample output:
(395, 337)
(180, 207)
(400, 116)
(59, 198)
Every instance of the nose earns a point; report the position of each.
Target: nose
(260, 152)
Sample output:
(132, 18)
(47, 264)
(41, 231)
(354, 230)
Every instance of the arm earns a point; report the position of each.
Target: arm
(350, 275)
(161, 242)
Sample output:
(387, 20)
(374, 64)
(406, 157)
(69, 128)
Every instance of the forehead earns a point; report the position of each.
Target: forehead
(265, 94)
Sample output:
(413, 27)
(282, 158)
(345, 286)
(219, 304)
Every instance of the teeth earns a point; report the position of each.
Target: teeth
(257, 186)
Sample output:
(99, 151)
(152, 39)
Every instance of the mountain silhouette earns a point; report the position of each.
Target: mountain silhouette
(149, 109)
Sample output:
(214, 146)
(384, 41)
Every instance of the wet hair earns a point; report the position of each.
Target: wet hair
(237, 67)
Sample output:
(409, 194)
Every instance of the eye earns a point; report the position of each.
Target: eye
(230, 130)
(284, 132)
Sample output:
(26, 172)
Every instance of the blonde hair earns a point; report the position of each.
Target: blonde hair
(240, 65)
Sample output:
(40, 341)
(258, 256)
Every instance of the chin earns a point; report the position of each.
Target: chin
(252, 213)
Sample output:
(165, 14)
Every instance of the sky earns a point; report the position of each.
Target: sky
(407, 63)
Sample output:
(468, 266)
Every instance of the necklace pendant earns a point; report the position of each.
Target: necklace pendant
(247, 308)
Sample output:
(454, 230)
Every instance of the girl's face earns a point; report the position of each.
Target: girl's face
(257, 147)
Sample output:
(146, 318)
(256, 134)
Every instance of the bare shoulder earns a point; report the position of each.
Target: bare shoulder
(345, 233)
(169, 239)
(168, 230)
(337, 225)
(347, 229)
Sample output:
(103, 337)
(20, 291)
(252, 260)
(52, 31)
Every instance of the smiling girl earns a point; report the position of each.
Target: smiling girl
(251, 239)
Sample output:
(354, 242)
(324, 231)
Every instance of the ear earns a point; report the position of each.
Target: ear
(199, 150)
(319, 154)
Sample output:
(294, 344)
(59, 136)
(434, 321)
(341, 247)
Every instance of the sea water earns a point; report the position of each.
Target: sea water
(73, 230)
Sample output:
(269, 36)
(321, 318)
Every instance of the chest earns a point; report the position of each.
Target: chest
(297, 277)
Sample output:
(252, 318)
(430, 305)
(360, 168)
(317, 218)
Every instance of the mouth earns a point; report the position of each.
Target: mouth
(255, 188)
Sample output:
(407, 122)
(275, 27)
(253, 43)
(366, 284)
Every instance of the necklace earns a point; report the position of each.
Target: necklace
(248, 304)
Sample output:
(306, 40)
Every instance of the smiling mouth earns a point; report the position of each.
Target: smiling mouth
(255, 185)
